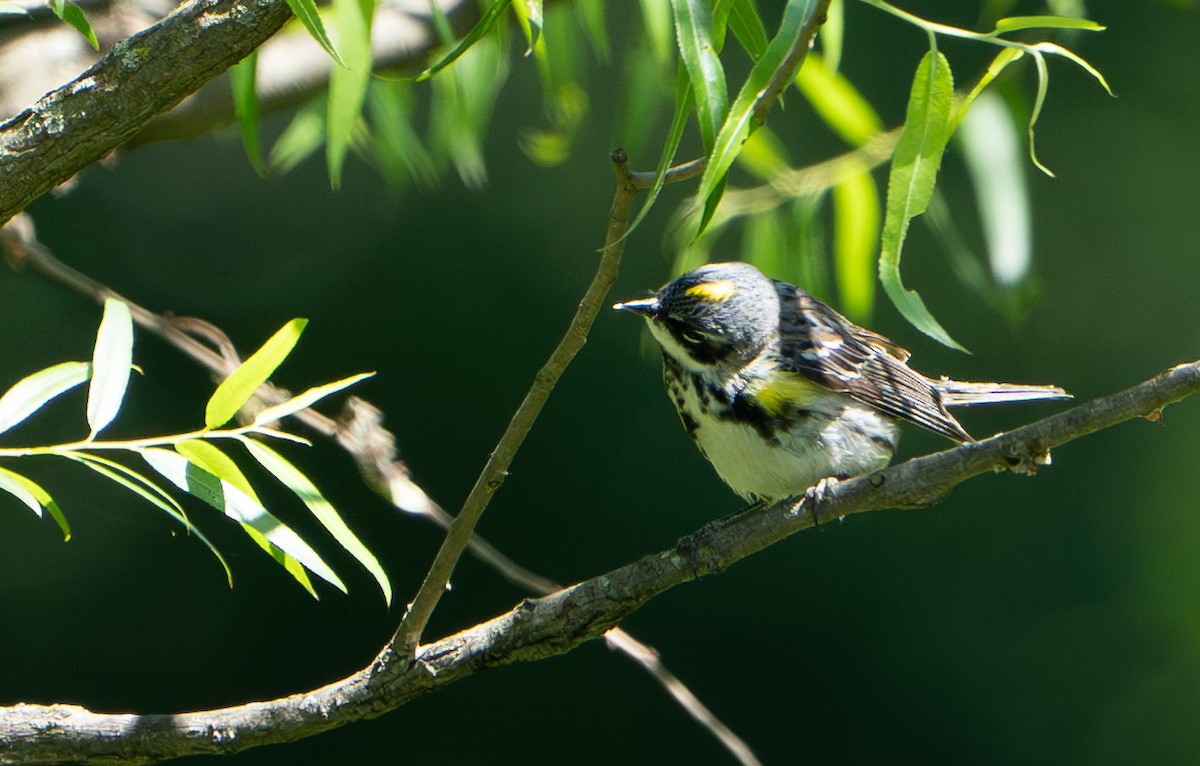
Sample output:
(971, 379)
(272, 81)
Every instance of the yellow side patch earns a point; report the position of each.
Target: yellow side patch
(782, 390)
(713, 291)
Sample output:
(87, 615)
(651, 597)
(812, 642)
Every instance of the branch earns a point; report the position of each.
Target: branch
(541, 628)
(144, 75)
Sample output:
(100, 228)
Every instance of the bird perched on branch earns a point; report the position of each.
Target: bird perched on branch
(783, 394)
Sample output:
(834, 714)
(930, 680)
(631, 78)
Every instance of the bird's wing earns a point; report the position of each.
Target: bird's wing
(823, 346)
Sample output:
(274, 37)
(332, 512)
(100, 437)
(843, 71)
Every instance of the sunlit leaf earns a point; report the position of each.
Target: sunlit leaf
(991, 149)
(11, 483)
(13, 8)
(307, 399)
(833, 35)
(1017, 23)
(913, 175)
(268, 532)
(348, 83)
(211, 458)
(306, 11)
(838, 102)
(292, 478)
(855, 241)
(481, 28)
(737, 124)
(698, 51)
(242, 79)
(31, 393)
(112, 360)
(1083, 64)
(532, 20)
(237, 389)
(34, 497)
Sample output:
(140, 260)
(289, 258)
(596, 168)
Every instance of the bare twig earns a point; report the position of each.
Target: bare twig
(408, 635)
(534, 630)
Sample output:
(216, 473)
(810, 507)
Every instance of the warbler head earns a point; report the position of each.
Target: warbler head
(719, 314)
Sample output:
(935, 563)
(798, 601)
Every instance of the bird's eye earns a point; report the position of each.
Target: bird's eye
(692, 337)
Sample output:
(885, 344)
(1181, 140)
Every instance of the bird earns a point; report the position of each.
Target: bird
(785, 396)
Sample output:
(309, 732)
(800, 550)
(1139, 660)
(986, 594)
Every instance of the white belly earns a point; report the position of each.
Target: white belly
(814, 449)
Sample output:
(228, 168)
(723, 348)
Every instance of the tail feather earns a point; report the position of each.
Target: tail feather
(957, 393)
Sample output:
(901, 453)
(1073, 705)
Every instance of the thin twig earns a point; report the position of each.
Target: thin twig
(408, 635)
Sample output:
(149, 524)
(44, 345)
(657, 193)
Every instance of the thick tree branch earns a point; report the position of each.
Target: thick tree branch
(144, 75)
(541, 628)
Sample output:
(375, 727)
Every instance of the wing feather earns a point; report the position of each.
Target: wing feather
(823, 346)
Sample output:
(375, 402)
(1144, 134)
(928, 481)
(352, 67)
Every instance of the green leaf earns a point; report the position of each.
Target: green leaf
(1005, 57)
(237, 389)
(1083, 64)
(242, 78)
(398, 150)
(855, 238)
(11, 483)
(209, 457)
(220, 489)
(111, 363)
(764, 155)
(764, 243)
(297, 482)
(1017, 23)
(991, 150)
(73, 15)
(683, 107)
(348, 83)
(747, 27)
(697, 50)
(307, 399)
(838, 102)
(481, 28)
(591, 16)
(31, 393)
(910, 184)
(306, 11)
(151, 493)
(13, 8)
(737, 124)
(656, 21)
(303, 135)
(32, 495)
(833, 34)
(532, 20)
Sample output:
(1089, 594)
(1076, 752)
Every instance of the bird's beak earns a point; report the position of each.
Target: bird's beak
(646, 307)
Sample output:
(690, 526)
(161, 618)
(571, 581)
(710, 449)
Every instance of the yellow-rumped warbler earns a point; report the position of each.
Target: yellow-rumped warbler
(782, 393)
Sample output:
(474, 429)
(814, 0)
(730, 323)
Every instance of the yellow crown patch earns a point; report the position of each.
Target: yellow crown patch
(713, 291)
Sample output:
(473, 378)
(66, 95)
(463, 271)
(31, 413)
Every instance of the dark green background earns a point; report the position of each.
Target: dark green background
(1022, 621)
